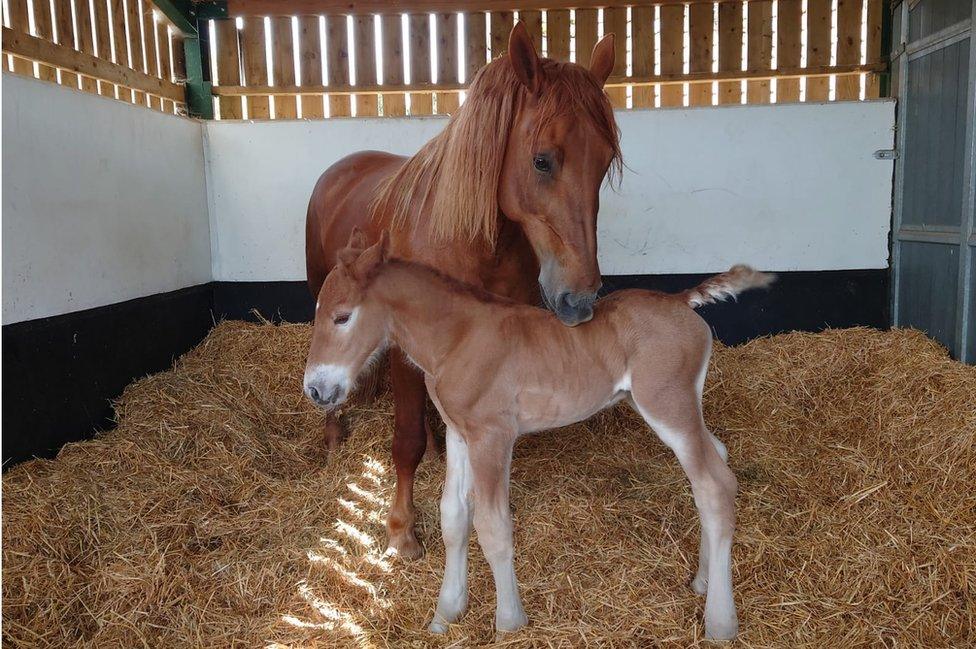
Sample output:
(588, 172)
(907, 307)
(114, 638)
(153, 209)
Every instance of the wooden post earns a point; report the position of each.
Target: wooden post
(283, 59)
(642, 31)
(586, 35)
(392, 25)
(447, 63)
(501, 26)
(476, 46)
(615, 22)
(848, 86)
(255, 66)
(44, 29)
(700, 27)
(366, 103)
(818, 49)
(557, 34)
(789, 19)
(310, 60)
(760, 48)
(672, 52)
(337, 60)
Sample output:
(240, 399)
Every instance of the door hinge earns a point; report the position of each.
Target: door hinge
(886, 154)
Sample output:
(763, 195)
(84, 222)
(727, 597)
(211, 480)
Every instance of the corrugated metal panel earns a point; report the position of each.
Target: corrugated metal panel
(928, 287)
(936, 136)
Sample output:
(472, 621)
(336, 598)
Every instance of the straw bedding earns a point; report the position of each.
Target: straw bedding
(212, 516)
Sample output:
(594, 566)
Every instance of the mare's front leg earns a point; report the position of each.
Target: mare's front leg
(491, 460)
(456, 529)
(409, 444)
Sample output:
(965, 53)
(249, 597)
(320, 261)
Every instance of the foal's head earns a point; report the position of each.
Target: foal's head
(350, 331)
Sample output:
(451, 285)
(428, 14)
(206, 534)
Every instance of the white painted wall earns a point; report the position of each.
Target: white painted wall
(791, 187)
(102, 201)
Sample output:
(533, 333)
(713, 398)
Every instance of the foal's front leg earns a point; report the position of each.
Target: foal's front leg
(491, 460)
(455, 528)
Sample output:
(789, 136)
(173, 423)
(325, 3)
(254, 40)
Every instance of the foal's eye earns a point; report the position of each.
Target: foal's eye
(542, 163)
(341, 319)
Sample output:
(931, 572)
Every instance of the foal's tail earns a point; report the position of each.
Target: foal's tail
(729, 284)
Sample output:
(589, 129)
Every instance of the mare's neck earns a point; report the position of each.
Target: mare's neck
(428, 314)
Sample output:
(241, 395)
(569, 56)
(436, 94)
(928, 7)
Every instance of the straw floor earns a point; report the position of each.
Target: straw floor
(212, 516)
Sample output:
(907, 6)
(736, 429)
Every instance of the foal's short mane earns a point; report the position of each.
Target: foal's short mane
(451, 283)
(459, 169)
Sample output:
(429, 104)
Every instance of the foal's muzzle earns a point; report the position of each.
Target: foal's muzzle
(327, 386)
(324, 396)
(574, 308)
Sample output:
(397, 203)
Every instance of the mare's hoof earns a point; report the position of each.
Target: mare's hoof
(508, 626)
(699, 585)
(406, 546)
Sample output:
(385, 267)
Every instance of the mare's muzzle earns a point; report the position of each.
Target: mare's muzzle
(574, 308)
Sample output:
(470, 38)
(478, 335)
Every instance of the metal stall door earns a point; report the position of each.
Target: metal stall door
(933, 242)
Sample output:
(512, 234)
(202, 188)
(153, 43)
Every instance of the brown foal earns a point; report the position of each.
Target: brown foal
(496, 369)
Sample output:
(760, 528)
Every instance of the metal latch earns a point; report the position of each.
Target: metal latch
(886, 154)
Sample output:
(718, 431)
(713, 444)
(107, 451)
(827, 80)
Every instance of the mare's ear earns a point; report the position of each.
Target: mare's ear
(528, 67)
(601, 61)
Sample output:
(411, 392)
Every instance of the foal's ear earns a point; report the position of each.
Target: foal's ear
(357, 239)
(384, 245)
(602, 59)
(528, 67)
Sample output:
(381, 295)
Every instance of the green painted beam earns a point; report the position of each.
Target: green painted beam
(188, 16)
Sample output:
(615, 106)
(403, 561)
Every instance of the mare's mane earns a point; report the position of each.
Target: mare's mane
(458, 171)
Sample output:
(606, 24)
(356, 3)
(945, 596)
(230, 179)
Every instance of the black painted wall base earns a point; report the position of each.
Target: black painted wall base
(61, 373)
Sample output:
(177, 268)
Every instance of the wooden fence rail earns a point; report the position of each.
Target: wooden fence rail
(124, 49)
(287, 59)
(366, 57)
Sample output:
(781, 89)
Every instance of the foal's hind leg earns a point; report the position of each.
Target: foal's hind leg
(674, 412)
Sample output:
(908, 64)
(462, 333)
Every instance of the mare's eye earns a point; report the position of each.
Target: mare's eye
(542, 163)
(341, 319)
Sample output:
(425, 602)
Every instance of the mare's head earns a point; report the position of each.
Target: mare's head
(532, 143)
(350, 331)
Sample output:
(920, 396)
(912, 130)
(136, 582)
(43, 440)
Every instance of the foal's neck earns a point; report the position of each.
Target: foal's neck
(429, 311)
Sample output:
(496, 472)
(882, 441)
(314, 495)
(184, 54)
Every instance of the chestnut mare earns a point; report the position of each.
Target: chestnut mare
(505, 197)
(496, 370)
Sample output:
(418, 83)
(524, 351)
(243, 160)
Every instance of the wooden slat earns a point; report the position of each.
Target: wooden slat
(66, 38)
(729, 51)
(557, 34)
(103, 34)
(872, 89)
(642, 30)
(121, 51)
(337, 62)
(818, 48)
(228, 67)
(421, 103)
(700, 28)
(364, 35)
(179, 57)
(310, 62)
(19, 22)
(165, 60)
(672, 52)
(283, 60)
(44, 29)
(38, 49)
(586, 35)
(533, 24)
(298, 7)
(678, 79)
(615, 22)
(145, 17)
(392, 26)
(134, 20)
(86, 39)
(760, 48)
(501, 27)
(476, 43)
(848, 46)
(447, 63)
(255, 64)
(789, 25)
(158, 58)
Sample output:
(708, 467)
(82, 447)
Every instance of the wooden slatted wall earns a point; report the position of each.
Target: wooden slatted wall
(72, 44)
(669, 53)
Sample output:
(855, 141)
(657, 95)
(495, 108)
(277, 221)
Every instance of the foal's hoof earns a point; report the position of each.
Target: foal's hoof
(406, 546)
(721, 631)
